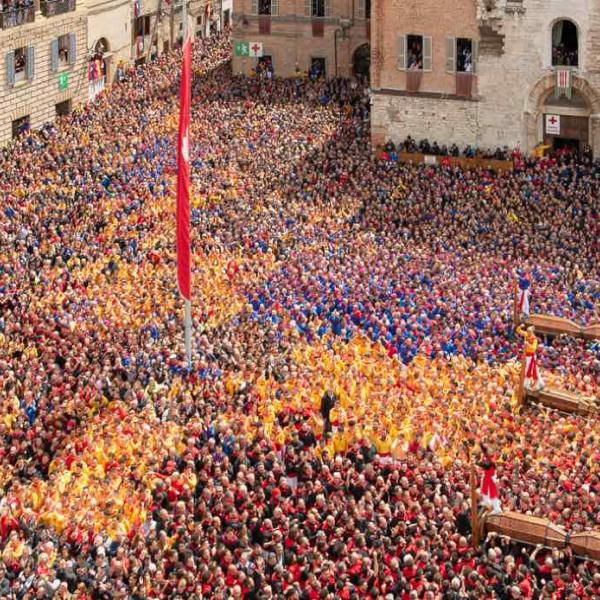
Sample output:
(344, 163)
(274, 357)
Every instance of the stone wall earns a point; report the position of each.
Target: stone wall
(38, 98)
(397, 116)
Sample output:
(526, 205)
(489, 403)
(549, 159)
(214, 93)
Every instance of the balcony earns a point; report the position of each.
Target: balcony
(51, 8)
(13, 17)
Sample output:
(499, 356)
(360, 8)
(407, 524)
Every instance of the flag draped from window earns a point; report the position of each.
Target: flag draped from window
(136, 8)
(563, 82)
(183, 173)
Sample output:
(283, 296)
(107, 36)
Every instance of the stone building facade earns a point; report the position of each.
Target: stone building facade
(44, 67)
(108, 40)
(488, 73)
(327, 36)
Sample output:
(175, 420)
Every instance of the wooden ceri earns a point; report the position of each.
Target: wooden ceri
(527, 529)
(553, 398)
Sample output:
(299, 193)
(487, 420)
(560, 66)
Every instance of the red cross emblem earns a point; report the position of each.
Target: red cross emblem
(255, 48)
(552, 120)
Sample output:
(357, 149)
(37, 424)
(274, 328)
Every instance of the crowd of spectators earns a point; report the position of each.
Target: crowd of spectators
(323, 277)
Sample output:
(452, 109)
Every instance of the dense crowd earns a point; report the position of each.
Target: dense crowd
(319, 272)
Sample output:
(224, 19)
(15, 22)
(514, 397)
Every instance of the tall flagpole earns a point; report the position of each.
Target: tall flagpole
(188, 301)
(184, 258)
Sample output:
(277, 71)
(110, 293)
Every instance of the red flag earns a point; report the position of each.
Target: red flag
(183, 174)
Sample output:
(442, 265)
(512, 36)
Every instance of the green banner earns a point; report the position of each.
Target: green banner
(63, 81)
(242, 49)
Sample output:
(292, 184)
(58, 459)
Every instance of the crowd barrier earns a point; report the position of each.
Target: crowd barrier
(452, 161)
(531, 530)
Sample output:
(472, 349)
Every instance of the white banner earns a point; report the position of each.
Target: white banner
(553, 124)
(256, 49)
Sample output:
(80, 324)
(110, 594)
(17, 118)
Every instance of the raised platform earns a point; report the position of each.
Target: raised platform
(564, 401)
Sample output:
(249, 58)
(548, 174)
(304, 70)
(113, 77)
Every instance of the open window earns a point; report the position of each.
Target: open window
(20, 64)
(64, 49)
(142, 26)
(414, 53)
(317, 8)
(461, 55)
(565, 44)
(265, 7)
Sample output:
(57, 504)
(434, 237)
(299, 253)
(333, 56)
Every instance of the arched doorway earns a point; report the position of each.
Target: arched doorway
(361, 61)
(566, 122)
(575, 121)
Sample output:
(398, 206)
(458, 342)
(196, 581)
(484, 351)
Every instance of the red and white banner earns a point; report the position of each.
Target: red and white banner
(553, 124)
(183, 174)
(563, 82)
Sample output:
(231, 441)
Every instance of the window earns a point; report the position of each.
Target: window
(142, 26)
(363, 9)
(264, 7)
(565, 45)
(461, 55)
(20, 126)
(464, 55)
(416, 54)
(63, 49)
(317, 8)
(20, 64)
(317, 68)
(63, 108)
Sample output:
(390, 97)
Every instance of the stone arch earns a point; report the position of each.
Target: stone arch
(536, 102)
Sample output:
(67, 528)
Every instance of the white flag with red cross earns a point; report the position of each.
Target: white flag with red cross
(256, 49)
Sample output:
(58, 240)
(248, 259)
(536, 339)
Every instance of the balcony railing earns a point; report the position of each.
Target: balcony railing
(13, 17)
(51, 8)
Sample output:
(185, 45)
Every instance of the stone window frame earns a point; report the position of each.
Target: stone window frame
(580, 44)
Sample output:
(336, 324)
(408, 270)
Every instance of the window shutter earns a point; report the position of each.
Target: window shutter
(360, 9)
(308, 8)
(30, 64)
(10, 68)
(54, 55)
(450, 55)
(274, 8)
(254, 8)
(474, 54)
(72, 48)
(401, 64)
(328, 8)
(427, 62)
